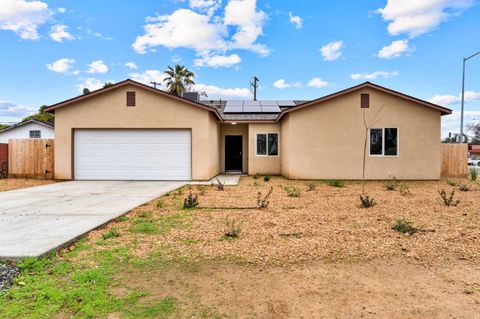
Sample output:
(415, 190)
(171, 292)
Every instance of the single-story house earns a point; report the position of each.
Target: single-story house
(131, 131)
(28, 129)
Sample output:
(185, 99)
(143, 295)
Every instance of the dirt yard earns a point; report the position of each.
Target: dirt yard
(17, 183)
(318, 255)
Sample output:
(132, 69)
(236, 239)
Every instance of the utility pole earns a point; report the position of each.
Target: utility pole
(155, 84)
(255, 86)
(463, 94)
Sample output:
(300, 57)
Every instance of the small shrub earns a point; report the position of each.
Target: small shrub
(220, 185)
(367, 201)
(191, 201)
(201, 190)
(232, 228)
(463, 188)
(311, 186)
(266, 178)
(391, 184)
(256, 176)
(292, 191)
(452, 182)
(473, 173)
(405, 227)
(160, 203)
(449, 200)
(112, 233)
(263, 202)
(405, 190)
(335, 183)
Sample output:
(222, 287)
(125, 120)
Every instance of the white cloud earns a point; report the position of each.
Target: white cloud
(217, 61)
(282, 84)
(176, 58)
(296, 20)
(59, 33)
(61, 66)
(451, 123)
(395, 50)
(61, 10)
(448, 100)
(373, 75)
(12, 112)
(215, 92)
(97, 67)
(91, 83)
(147, 76)
(317, 83)
(24, 17)
(332, 51)
(208, 35)
(131, 65)
(418, 17)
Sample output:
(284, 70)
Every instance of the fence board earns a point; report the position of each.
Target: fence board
(31, 158)
(454, 160)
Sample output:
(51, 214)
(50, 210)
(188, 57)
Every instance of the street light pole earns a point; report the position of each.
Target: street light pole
(463, 94)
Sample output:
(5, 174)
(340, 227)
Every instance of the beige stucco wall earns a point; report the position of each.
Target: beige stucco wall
(237, 129)
(264, 165)
(326, 141)
(109, 110)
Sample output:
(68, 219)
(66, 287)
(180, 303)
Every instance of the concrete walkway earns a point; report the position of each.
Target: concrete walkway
(37, 220)
(227, 179)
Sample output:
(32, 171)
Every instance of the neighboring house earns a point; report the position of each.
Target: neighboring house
(27, 129)
(130, 131)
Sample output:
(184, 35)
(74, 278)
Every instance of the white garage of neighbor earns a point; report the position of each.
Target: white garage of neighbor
(132, 154)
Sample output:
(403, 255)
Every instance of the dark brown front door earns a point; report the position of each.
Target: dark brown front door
(233, 153)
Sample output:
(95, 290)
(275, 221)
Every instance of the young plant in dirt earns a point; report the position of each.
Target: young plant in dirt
(160, 203)
(404, 226)
(233, 229)
(266, 178)
(391, 184)
(404, 189)
(112, 233)
(452, 182)
(463, 187)
(472, 172)
(292, 191)
(220, 185)
(262, 202)
(366, 201)
(191, 201)
(201, 190)
(256, 176)
(449, 200)
(335, 183)
(311, 186)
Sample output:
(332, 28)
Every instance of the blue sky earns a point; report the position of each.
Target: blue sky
(298, 49)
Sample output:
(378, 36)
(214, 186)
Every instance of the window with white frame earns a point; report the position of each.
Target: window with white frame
(35, 134)
(267, 144)
(384, 141)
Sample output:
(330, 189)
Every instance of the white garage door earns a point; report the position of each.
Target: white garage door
(132, 154)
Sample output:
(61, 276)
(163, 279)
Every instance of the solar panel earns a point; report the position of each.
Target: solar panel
(234, 106)
(286, 103)
(252, 109)
(251, 103)
(270, 109)
(269, 103)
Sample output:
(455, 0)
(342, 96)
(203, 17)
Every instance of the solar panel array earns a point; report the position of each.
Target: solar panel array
(265, 106)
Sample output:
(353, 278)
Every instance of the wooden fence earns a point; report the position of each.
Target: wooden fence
(454, 160)
(31, 158)
(3, 160)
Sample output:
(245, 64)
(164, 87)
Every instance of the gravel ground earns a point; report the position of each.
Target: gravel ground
(8, 273)
(17, 183)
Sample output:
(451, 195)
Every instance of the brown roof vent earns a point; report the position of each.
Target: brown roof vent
(364, 100)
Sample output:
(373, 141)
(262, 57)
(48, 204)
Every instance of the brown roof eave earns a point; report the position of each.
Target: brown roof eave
(53, 107)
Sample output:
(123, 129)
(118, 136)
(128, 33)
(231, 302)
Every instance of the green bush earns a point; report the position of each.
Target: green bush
(335, 183)
(292, 191)
(266, 178)
(405, 227)
(366, 201)
(473, 173)
(191, 201)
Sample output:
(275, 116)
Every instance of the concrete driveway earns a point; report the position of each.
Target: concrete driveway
(36, 220)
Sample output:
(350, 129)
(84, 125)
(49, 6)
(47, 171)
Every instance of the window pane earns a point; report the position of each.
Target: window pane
(273, 144)
(391, 142)
(261, 144)
(376, 141)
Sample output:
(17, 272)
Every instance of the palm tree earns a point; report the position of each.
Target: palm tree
(178, 79)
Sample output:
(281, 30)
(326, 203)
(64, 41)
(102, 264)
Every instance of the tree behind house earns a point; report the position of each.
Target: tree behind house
(41, 116)
(178, 79)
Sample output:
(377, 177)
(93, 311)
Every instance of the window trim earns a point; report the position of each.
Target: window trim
(266, 133)
(383, 141)
(39, 133)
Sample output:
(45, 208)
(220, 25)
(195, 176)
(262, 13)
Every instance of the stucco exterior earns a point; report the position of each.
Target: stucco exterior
(325, 141)
(322, 139)
(109, 110)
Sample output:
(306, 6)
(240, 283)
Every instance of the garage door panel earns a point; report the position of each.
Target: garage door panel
(133, 154)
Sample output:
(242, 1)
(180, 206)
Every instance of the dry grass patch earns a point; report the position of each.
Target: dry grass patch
(18, 183)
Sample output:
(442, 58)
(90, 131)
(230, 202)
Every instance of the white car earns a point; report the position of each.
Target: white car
(473, 162)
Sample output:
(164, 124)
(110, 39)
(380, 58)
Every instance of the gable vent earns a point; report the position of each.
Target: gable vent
(130, 98)
(364, 100)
